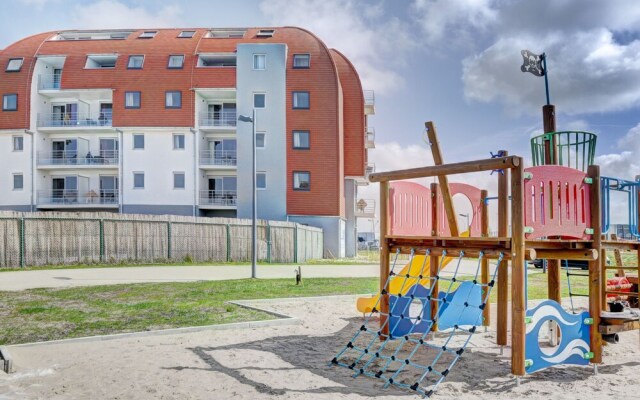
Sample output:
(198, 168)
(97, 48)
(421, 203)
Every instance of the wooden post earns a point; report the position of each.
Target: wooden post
(596, 285)
(518, 289)
(434, 261)
(503, 272)
(384, 258)
(484, 263)
(549, 125)
(444, 181)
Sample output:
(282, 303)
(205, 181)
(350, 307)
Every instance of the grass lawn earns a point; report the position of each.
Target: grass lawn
(49, 314)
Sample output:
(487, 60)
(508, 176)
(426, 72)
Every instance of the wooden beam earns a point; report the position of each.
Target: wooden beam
(503, 268)
(469, 252)
(447, 169)
(556, 255)
(553, 274)
(434, 260)
(384, 257)
(518, 293)
(484, 263)
(443, 179)
(596, 286)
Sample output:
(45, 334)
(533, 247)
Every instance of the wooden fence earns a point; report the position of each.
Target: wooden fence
(32, 239)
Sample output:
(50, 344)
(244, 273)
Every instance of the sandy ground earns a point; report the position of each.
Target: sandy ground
(287, 362)
(59, 278)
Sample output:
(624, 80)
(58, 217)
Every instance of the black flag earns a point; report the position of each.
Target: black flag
(532, 63)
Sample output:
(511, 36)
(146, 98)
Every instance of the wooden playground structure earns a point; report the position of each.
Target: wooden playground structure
(554, 211)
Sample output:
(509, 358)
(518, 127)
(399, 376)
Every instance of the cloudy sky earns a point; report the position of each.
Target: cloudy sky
(456, 62)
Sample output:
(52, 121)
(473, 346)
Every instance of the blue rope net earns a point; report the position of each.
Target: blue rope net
(411, 360)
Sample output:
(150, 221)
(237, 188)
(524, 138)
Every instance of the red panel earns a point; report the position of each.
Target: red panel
(557, 203)
(410, 209)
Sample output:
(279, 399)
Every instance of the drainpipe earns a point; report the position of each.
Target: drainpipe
(121, 173)
(33, 172)
(195, 169)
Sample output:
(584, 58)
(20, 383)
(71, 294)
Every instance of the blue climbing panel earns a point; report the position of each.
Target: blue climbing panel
(574, 342)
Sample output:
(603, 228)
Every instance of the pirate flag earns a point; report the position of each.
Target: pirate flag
(532, 63)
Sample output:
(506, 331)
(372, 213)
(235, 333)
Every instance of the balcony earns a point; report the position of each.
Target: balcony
(216, 120)
(365, 208)
(71, 121)
(49, 82)
(69, 198)
(214, 159)
(370, 138)
(218, 199)
(369, 169)
(73, 159)
(369, 102)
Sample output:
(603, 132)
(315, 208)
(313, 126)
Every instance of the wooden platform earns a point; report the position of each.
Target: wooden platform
(609, 323)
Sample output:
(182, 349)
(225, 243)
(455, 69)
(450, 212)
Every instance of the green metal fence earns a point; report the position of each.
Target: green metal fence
(33, 239)
(575, 149)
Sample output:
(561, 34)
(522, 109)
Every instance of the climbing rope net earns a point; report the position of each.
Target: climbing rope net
(406, 357)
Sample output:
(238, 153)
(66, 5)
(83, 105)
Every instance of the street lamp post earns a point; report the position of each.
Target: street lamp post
(254, 205)
(467, 217)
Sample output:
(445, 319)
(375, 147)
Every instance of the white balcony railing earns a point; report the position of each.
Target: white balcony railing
(224, 198)
(226, 158)
(69, 197)
(74, 119)
(370, 138)
(369, 169)
(369, 97)
(49, 81)
(365, 208)
(74, 157)
(218, 119)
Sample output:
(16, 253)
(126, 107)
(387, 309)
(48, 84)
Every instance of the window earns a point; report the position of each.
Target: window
(138, 180)
(226, 33)
(14, 64)
(302, 181)
(131, 99)
(176, 62)
(259, 100)
(18, 182)
(10, 102)
(217, 60)
(301, 140)
(148, 35)
(265, 33)
(261, 180)
(261, 140)
(301, 61)
(186, 34)
(259, 61)
(301, 100)
(173, 99)
(138, 141)
(135, 62)
(101, 61)
(18, 143)
(178, 180)
(88, 35)
(178, 141)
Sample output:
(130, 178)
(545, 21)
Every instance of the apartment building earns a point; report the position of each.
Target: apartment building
(147, 121)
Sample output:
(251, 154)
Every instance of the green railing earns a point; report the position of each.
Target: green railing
(575, 149)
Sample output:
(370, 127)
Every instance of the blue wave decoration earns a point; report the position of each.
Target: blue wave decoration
(574, 342)
(450, 313)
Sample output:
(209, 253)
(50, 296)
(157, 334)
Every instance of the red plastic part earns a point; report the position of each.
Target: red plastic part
(557, 203)
(410, 209)
(620, 284)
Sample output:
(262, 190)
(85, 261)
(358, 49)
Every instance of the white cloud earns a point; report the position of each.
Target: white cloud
(458, 19)
(373, 42)
(588, 72)
(593, 54)
(112, 14)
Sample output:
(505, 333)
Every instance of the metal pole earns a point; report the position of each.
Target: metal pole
(546, 81)
(254, 212)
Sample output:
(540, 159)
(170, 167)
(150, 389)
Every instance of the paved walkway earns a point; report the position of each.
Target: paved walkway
(57, 278)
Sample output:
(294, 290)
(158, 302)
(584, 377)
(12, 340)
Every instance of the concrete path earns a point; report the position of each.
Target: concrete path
(58, 278)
